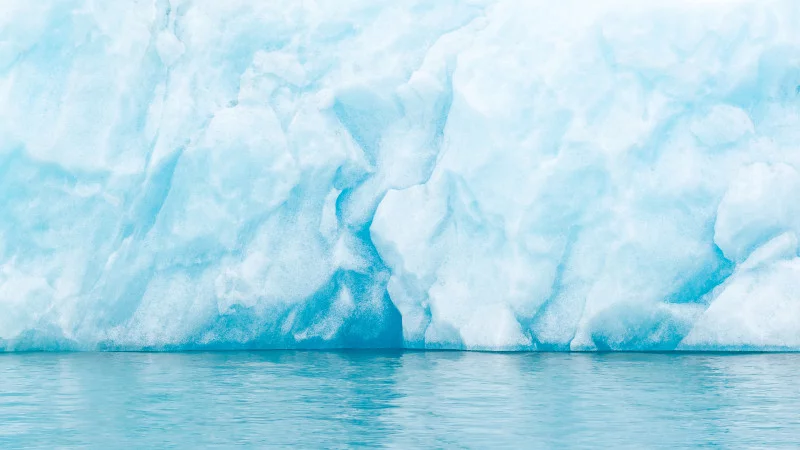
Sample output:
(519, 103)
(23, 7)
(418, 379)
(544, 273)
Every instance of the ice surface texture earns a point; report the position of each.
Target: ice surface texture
(478, 174)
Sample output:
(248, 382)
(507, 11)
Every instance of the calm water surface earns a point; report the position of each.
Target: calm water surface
(399, 399)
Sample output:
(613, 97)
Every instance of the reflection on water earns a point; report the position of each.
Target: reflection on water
(398, 399)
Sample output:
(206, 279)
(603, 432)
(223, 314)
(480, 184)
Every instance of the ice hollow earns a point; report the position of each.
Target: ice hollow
(469, 174)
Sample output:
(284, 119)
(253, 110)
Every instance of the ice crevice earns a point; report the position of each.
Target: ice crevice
(459, 174)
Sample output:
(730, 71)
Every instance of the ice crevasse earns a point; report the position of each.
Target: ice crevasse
(466, 174)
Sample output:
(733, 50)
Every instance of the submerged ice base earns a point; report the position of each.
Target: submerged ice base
(468, 174)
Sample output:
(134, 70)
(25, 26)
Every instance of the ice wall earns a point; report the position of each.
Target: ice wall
(482, 174)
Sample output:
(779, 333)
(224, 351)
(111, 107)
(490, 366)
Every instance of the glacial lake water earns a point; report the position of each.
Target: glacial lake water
(397, 399)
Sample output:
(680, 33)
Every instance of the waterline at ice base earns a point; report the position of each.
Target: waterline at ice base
(457, 174)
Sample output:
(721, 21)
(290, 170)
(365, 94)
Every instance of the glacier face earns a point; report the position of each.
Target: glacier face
(479, 174)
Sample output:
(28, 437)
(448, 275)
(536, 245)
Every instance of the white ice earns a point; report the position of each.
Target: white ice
(480, 174)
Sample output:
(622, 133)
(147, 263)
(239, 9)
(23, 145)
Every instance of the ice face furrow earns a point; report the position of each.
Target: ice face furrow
(466, 174)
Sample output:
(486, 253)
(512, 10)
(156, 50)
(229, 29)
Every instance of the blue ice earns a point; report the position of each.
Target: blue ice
(467, 174)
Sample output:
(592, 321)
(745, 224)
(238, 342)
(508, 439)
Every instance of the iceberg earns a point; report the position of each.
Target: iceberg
(459, 174)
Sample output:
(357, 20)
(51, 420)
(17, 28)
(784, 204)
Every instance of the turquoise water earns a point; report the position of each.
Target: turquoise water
(398, 399)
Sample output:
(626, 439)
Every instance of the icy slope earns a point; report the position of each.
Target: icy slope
(453, 174)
